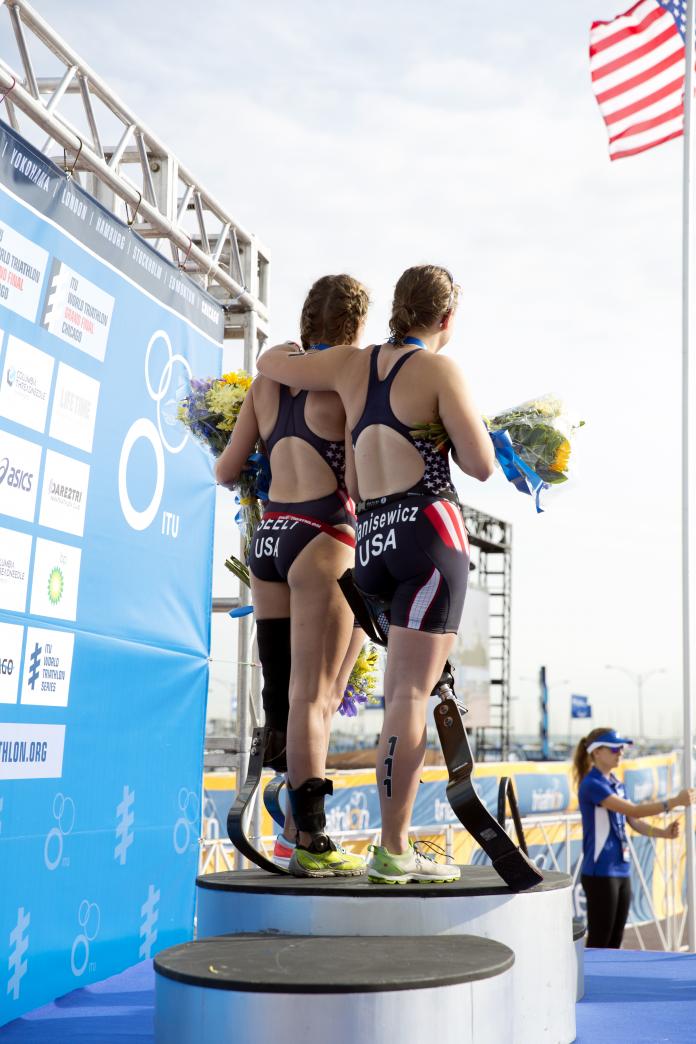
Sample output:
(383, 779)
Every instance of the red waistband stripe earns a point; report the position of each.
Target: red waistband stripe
(332, 531)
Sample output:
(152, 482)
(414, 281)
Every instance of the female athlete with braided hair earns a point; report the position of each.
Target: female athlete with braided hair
(412, 547)
(305, 541)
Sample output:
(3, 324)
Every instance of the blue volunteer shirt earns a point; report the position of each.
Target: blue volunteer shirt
(604, 844)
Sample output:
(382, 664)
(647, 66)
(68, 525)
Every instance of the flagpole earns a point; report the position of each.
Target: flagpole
(688, 435)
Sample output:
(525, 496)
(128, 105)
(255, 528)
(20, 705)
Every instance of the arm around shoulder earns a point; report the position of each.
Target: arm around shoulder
(313, 371)
(472, 447)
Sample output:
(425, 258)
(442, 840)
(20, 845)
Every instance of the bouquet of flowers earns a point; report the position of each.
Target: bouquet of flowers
(362, 682)
(210, 412)
(532, 444)
(531, 441)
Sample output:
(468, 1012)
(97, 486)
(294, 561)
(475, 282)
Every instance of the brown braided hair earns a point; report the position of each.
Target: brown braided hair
(333, 311)
(422, 296)
(582, 762)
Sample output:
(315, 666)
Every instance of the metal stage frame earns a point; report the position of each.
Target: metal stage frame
(490, 540)
(55, 100)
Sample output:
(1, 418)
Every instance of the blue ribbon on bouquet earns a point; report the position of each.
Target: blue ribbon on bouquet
(517, 470)
(258, 468)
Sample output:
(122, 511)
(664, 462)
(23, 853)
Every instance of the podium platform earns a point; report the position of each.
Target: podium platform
(536, 925)
(260, 988)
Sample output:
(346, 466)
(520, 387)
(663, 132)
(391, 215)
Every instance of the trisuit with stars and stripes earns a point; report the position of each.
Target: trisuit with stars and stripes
(287, 528)
(412, 547)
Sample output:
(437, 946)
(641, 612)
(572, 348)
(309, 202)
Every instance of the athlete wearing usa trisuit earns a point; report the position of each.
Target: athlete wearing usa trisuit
(606, 863)
(304, 542)
(413, 549)
(410, 532)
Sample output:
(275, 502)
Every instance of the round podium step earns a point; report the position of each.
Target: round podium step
(579, 937)
(536, 925)
(271, 988)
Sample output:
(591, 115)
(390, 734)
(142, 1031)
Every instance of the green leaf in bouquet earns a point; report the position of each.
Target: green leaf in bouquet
(433, 431)
(239, 569)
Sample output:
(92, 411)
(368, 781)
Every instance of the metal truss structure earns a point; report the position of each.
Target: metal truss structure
(56, 101)
(491, 543)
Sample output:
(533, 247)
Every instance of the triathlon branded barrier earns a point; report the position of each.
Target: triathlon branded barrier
(106, 517)
(547, 801)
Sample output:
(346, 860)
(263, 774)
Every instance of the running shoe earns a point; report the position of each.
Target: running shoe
(324, 858)
(282, 851)
(385, 868)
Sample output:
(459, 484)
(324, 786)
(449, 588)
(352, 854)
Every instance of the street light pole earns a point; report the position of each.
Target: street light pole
(640, 678)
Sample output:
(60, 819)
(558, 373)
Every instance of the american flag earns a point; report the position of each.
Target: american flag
(637, 64)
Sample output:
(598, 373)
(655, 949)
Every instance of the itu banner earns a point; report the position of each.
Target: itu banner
(106, 525)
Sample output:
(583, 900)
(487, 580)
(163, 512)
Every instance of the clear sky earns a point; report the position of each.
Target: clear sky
(372, 136)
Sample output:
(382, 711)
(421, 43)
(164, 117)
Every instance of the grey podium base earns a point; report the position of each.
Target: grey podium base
(265, 989)
(535, 925)
(579, 938)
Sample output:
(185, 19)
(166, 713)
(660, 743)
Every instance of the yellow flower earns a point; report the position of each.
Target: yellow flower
(560, 461)
(238, 378)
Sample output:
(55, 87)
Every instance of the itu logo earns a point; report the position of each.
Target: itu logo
(189, 806)
(166, 384)
(64, 815)
(89, 919)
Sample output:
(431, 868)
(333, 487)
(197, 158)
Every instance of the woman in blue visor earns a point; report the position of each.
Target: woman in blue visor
(606, 865)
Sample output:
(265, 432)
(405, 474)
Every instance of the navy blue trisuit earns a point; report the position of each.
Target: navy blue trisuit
(412, 546)
(287, 528)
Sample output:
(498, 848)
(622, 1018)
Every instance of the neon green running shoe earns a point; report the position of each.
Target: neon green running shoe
(385, 868)
(324, 858)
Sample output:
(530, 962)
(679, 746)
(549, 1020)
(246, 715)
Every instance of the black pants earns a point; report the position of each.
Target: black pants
(608, 903)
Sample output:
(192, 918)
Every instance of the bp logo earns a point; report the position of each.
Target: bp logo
(56, 585)
(165, 383)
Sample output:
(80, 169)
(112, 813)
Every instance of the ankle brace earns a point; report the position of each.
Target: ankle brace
(307, 803)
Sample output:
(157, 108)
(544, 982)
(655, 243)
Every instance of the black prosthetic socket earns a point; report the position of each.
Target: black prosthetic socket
(273, 638)
(307, 804)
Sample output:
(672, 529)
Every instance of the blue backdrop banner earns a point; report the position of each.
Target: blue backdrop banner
(106, 524)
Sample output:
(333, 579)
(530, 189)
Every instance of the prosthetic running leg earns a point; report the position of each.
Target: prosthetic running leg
(239, 815)
(516, 869)
(518, 872)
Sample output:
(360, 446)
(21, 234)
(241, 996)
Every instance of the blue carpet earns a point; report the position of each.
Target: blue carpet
(118, 1010)
(630, 998)
(638, 998)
